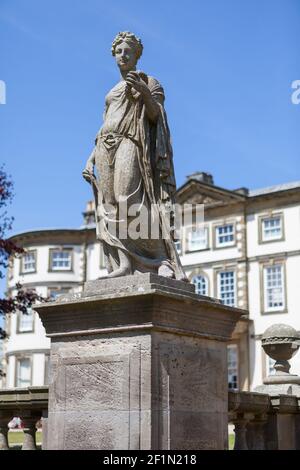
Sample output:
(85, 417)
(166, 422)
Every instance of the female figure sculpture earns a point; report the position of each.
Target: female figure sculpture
(133, 157)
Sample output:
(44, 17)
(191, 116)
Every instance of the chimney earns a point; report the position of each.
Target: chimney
(201, 176)
(89, 214)
(244, 191)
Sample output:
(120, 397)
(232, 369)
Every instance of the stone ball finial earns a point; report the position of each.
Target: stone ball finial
(280, 330)
(281, 342)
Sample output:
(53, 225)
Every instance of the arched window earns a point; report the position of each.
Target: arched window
(201, 284)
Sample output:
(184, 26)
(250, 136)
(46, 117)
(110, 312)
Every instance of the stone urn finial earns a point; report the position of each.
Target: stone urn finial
(281, 342)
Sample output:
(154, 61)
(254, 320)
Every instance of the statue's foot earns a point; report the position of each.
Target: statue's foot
(166, 271)
(122, 271)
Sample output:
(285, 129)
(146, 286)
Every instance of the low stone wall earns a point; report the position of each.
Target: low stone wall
(264, 422)
(31, 405)
(260, 421)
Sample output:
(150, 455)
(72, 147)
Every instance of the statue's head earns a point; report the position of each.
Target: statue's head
(127, 49)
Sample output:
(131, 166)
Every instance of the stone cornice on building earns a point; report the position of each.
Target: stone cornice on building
(45, 283)
(250, 259)
(27, 352)
(54, 237)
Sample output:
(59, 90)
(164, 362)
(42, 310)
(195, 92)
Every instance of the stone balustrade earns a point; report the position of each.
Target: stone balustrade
(264, 422)
(30, 404)
(261, 421)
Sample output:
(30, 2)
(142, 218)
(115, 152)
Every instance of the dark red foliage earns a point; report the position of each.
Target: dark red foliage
(20, 302)
(22, 299)
(7, 248)
(6, 188)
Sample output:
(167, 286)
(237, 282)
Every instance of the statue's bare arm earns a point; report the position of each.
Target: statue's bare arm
(89, 166)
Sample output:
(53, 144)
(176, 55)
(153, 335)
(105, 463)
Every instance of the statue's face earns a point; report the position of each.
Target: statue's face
(125, 57)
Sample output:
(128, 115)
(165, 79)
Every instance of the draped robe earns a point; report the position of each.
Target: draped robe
(127, 128)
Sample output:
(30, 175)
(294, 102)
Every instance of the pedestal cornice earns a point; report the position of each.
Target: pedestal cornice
(144, 302)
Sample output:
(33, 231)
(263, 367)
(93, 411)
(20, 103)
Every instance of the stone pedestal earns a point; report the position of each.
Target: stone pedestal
(138, 362)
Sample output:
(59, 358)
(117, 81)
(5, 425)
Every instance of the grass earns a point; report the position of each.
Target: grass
(231, 441)
(15, 438)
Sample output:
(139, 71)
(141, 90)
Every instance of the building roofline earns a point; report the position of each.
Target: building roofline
(252, 193)
(279, 188)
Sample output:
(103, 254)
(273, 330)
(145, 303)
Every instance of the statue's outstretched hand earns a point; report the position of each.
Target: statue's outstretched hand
(88, 173)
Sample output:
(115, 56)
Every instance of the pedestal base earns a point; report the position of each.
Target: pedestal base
(138, 362)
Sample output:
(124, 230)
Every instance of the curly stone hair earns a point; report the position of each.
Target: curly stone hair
(130, 38)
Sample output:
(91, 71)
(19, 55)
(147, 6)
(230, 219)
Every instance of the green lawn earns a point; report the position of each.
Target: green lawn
(15, 438)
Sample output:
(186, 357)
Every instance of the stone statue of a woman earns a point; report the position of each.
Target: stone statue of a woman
(133, 158)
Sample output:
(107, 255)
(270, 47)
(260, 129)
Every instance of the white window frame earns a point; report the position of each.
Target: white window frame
(24, 317)
(263, 220)
(192, 231)
(218, 235)
(18, 375)
(25, 270)
(219, 293)
(202, 276)
(60, 251)
(233, 370)
(276, 308)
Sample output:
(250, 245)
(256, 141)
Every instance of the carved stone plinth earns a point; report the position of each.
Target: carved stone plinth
(138, 362)
(4, 419)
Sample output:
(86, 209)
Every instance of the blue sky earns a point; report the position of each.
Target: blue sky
(226, 66)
